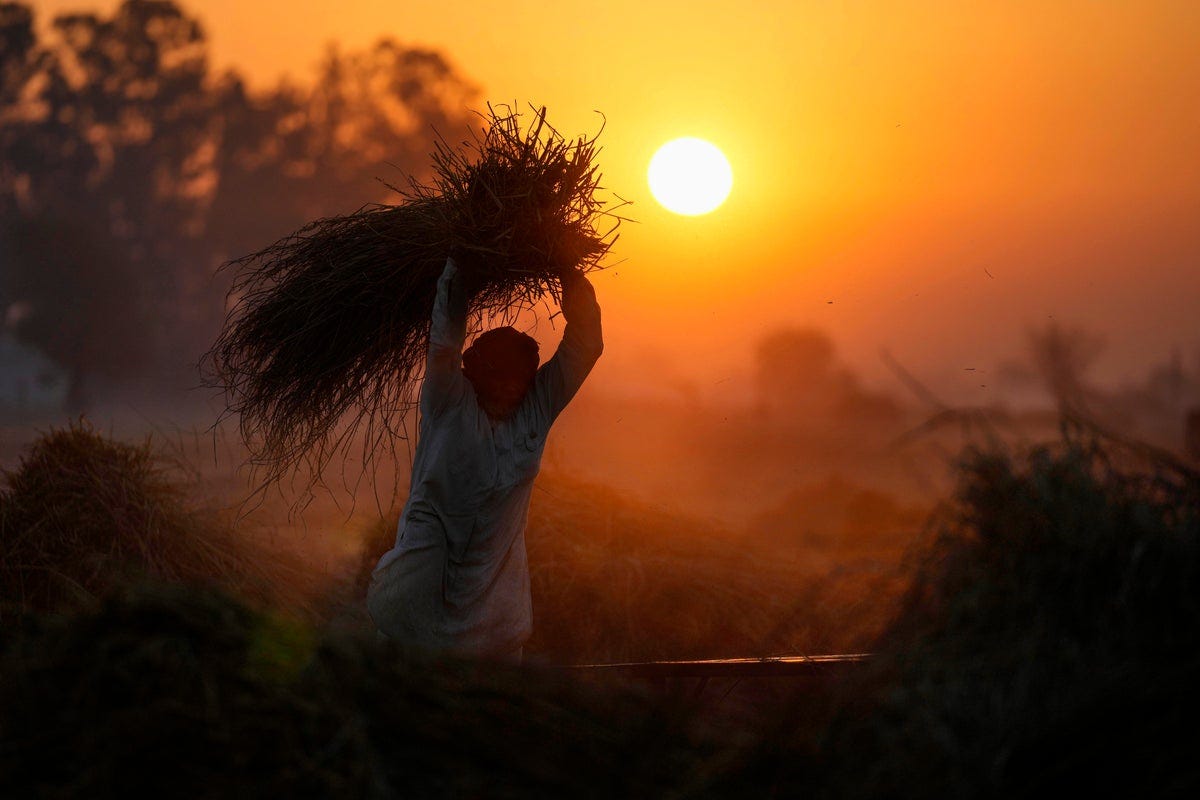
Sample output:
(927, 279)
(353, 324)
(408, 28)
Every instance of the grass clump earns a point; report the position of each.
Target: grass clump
(614, 579)
(617, 580)
(1050, 641)
(163, 693)
(83, 515)
(327, 337)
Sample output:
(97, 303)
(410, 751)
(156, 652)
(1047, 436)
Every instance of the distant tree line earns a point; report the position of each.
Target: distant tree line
(799, 380)
(130, 171)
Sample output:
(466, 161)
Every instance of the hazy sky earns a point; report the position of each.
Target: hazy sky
(930, 177)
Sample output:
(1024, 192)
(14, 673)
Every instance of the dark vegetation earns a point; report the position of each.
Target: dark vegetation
(168, 693)
(118, 139)
(1044, 639)
(1049, 641)
(171, 693)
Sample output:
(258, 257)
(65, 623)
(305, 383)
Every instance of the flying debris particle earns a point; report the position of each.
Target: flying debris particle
(988, 273)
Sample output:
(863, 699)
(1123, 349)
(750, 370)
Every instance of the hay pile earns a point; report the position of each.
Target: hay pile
(1049, 644)
(615, 579)
(83, 515)
(327, 336)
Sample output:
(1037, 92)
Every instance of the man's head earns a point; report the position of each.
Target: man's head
(501, 364)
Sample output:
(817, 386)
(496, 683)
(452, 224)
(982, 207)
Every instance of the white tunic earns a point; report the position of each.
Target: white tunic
(457, 577)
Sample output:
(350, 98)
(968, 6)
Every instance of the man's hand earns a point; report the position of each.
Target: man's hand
(469, 278)
(578, 295)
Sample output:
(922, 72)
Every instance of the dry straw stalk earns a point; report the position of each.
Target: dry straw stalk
(326, 341)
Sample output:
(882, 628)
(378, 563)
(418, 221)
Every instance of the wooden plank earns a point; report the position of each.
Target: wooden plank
(773, 667)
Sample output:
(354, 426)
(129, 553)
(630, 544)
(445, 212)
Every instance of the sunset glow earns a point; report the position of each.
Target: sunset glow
(690, 176)
(425, 376)
(887, 153)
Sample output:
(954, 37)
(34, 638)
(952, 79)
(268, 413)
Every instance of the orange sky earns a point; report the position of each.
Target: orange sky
(885, 154)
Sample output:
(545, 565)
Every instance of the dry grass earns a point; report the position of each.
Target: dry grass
(83, 515)
(324, 349)
(614, 579)
(1049, 646)
(178, 693)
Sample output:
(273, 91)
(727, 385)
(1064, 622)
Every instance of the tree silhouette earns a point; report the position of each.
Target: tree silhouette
(799, 381)
(793, 367)
(70, 302)
(1061, 357)
(314, 151)
(129, 172)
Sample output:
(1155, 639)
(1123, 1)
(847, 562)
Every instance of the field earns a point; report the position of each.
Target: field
(1036, 631)
(923, 390)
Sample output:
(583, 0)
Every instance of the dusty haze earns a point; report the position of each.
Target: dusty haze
(927, 177)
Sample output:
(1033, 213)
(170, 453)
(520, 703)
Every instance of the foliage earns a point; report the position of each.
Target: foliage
(163, 692)
(68, 304)
(116, 134)
(1050, 641)
(1048, 645)
(1058, 358)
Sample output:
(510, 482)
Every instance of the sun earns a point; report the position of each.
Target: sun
(690, 176)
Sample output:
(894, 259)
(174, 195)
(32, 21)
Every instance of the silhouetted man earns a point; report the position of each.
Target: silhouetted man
(457, 578)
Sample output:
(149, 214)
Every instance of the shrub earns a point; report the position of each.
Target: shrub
(1050, 641)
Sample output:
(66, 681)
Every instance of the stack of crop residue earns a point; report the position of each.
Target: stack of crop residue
(327, 338)
(84, 515)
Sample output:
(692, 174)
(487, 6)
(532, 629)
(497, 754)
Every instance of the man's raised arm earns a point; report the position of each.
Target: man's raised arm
(560, 378)
(447, 332)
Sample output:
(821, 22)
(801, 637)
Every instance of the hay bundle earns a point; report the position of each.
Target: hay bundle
(330, 324)
(84, 515)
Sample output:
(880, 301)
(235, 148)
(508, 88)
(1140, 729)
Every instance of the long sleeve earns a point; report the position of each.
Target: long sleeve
(447, 332)
(582, 344)
(458, 576)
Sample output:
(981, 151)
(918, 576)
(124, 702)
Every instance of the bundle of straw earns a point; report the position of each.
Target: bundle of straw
(327, 338)
(84, 515)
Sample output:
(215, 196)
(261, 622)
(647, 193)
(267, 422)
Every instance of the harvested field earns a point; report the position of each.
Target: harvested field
(83, 515)
(1049, 629)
